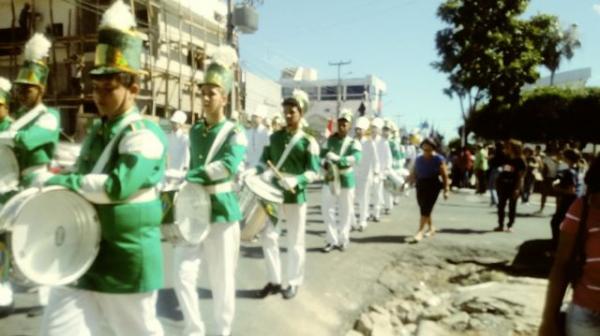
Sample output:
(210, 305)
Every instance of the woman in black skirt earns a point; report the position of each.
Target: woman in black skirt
(428, 168)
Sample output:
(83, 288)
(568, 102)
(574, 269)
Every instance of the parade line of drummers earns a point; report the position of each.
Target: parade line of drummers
(204, 191)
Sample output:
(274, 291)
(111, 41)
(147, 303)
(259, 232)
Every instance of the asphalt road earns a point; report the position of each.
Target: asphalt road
(338, 285)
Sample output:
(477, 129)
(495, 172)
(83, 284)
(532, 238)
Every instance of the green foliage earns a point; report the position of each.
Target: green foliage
(549, 113)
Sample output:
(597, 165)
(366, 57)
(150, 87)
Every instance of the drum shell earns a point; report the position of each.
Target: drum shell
(192, 216)
(394, 184)
(255, 216)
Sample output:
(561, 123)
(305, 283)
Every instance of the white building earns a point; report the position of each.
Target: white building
(357, 94)
(577, 78)
(261, 91)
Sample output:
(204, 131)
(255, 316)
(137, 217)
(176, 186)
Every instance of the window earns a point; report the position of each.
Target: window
(355, 92)
(329, 93)
(313, 92)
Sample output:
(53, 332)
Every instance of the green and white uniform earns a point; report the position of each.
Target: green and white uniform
(5, 124)
(345, 153)
(301, 166)
(125, 197)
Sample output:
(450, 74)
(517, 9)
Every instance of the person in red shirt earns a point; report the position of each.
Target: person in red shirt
(583, 315)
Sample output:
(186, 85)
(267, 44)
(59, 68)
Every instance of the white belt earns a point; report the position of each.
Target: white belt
(143, 195)
(346, 170)
(219, 188)
(35, 170)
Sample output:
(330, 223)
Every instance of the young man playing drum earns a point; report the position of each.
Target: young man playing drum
(213, 134)
(122, 161)
(296, 159)
(344, 152)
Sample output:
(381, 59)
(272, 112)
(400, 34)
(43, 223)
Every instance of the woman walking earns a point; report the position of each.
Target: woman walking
(428, 169)
(577, 262)
(509, 183)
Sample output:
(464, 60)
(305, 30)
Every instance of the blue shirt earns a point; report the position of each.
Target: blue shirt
(428, 168)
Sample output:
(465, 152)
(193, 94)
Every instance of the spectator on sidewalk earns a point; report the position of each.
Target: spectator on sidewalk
(481, 167)
(495, 160)
(576, 262)
(429, 168)
(549, 172)
(510, 183)
(531, 174)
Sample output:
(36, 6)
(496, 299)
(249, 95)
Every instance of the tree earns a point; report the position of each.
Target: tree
(553, 42)
(487, 52)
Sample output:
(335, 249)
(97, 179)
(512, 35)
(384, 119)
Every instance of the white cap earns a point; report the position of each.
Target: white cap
(362, 123)
(179, 117)
(377, 123)
(259, 111)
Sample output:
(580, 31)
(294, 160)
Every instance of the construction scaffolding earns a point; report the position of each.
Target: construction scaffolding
(177, 40)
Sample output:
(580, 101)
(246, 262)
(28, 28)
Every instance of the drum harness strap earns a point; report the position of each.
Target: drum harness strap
(143, 195)
(345, 145)
(214, 149)
(288, 149)
(28, 117)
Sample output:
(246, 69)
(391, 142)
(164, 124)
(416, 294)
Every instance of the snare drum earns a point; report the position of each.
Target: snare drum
(258, 201)
(186, 214)
(53, 235)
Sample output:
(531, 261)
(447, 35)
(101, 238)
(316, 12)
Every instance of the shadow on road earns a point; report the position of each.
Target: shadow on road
(380, 239)
(463, 231)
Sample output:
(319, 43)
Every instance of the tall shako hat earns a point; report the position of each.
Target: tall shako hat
(34, 70)
(220, 70)
(299, 99)
(119, 48)
(5, 87)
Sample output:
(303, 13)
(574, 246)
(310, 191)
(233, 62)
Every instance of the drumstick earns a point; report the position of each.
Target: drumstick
(278, 174)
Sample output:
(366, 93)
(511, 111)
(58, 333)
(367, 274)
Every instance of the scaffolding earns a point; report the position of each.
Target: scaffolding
(174, 63)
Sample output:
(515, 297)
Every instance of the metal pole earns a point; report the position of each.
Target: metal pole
(230, 29)
(339, 65)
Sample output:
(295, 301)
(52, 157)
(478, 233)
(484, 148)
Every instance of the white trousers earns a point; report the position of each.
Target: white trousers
(85, 313)
(338, 230)
(220, 250)
(364, 185)
(378, 200)
(295, 216)
(388, 200)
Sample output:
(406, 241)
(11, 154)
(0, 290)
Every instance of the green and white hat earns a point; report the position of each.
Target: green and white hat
(5, 87)
(119, 48)
(220, 70)
(34, 70)
(299, 99)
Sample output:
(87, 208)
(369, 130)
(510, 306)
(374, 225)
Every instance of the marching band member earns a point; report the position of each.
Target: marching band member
(344, 152)
(6, 293)
(384, 156)
(178, 154)
(296, 156)
(122, 161)
(257, 135)
(221, 247)
(365, 169)
(34, 135)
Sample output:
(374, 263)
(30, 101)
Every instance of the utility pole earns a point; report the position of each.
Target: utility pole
(230, 29)
(339, 65)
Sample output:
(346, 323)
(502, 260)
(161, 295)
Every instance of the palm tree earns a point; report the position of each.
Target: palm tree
(567, 43)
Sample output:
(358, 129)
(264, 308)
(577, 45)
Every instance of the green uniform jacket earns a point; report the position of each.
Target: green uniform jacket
(348, 159)
(303, 162)
(5, 124)
(223, 167)
(396, 154)
(130, 259)
(35, 142)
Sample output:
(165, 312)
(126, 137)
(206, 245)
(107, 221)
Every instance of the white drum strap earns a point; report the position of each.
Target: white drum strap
(28, 117)
(288, 148)
(345, 144)
(219, 141)
(107, 152)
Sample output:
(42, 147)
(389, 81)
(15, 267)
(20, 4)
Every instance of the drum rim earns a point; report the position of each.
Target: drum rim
(202, 236)
(248, 183)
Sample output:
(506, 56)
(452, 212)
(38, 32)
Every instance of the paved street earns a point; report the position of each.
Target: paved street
(338, 285)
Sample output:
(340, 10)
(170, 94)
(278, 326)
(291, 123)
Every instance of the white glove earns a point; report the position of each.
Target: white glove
(288, 183)
(247, 173)
(40, 179)
(7, 138)
(267, 175)
(331, 156)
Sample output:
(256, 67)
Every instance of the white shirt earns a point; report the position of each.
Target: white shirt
(369, 161)
(178, 156)
(258, 138)
(384, 153)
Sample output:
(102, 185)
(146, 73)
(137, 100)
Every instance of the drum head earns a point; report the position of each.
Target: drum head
(55, 235)
(264, 190)
(9, 170)
(192, 212)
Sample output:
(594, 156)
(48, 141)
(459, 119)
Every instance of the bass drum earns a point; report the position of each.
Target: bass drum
(54, 235)
(9, 171)
(186, 214)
